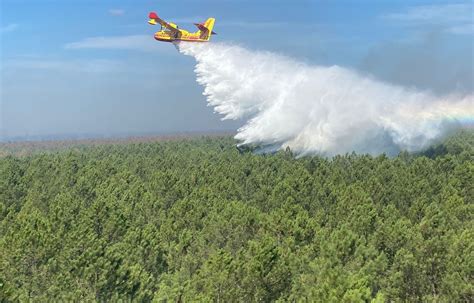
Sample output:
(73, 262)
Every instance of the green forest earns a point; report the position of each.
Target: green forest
(195, 220)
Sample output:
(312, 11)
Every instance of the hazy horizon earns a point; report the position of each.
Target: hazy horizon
(119, 136)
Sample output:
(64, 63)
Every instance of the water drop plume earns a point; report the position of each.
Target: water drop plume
(319, 109)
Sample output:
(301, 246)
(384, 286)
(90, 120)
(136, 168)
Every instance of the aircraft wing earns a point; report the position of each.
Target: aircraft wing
(154, 19)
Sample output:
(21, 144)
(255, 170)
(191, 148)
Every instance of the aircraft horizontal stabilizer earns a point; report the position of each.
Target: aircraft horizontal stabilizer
(203, 28)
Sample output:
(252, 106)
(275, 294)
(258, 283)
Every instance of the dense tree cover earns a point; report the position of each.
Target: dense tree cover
(195, 220)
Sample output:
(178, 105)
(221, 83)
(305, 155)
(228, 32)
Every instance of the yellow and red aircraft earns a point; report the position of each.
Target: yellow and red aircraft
(170, 32)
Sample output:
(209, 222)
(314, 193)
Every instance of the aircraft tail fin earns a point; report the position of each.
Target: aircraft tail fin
(206, 27)
(209, 24)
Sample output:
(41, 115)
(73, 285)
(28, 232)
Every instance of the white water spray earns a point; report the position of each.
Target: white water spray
(316, 109)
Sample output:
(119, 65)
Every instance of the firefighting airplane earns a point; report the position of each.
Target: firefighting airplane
(170, 32)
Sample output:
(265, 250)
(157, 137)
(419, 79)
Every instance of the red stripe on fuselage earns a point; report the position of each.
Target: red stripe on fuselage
(177, 40)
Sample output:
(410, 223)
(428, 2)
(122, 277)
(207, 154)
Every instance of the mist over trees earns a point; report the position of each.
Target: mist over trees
(195, 220)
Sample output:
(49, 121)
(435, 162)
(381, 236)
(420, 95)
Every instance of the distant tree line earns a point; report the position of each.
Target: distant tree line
(195, 220)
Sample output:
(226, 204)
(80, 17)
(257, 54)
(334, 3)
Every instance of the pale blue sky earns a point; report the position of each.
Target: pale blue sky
(92, 67)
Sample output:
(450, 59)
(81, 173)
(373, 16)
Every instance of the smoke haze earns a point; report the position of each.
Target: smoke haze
(318, 109)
